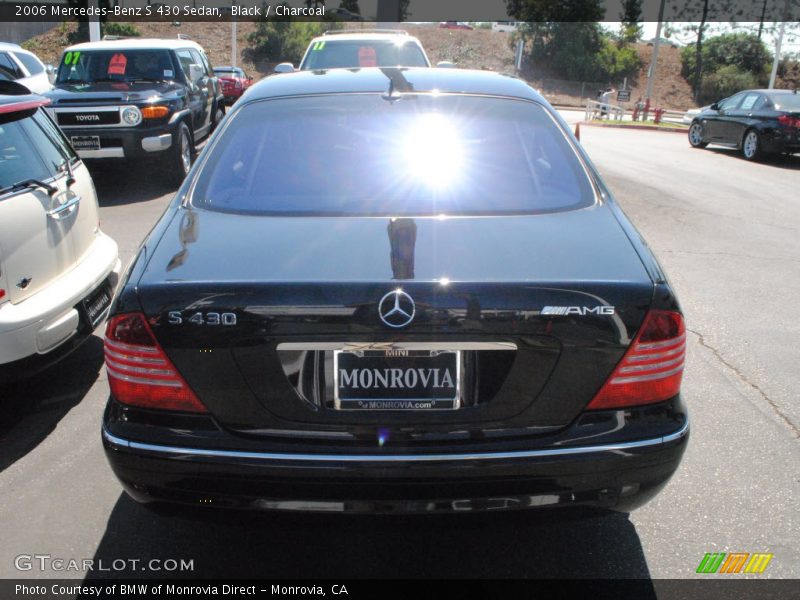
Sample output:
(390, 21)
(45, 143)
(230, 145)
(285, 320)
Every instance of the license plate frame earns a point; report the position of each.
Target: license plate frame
(92, 311)
(85, 142)
(420, 398)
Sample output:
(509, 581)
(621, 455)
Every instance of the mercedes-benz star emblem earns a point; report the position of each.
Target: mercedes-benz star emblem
(396, 309)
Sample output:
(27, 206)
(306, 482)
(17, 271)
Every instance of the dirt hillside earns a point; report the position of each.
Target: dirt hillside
(477, 49)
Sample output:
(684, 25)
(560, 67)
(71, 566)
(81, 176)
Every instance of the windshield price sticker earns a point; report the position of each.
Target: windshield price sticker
(117, 64)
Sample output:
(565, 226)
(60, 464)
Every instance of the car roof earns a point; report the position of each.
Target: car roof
(16, 103)
(136, 44)
(403, 79)
(374, 36)
(10, 46)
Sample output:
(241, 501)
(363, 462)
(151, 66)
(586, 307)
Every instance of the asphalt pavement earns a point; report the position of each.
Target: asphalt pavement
(725, 230)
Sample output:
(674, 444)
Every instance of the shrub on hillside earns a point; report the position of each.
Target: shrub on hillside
(577, 52)
(725, 82)
(617, 61)
(285, 41)
(744, 51)
(788, 73)
(120, 29)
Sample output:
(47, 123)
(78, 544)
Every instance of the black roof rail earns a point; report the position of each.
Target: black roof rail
(351, 31)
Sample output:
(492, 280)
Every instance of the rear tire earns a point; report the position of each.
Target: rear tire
(181, 155)
(219, 114)
(751, 145)
(696, 135)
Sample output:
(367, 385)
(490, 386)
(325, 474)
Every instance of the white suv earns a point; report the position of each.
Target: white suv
(58, 271)
(352, 49)
(17, 64)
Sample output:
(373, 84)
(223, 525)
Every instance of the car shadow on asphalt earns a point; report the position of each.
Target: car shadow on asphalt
(779, 161)
(32, 408)
(118, 184)
(226, 544)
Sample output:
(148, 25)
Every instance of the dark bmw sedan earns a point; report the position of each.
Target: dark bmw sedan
(394, 290)
(757, 122)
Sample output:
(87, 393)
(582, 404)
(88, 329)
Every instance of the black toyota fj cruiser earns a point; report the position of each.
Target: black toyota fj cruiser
(136, 99)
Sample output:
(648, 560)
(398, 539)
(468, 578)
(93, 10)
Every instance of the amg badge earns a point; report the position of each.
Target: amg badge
(578, 310)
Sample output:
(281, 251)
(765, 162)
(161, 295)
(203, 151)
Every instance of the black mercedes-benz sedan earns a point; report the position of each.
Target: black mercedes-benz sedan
(757, 122)
(391, 290)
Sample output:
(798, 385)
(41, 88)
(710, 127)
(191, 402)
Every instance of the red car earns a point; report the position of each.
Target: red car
(455, 25)
(234, 82)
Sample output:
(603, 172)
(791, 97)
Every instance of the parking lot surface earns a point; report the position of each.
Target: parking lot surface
(726, 232)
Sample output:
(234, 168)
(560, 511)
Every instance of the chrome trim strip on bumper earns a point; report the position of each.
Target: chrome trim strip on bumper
(390, 458)
(102, 153)
(353, 346)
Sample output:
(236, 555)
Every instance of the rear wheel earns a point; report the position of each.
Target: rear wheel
(219, 114)
(181, 155)
(696, 135)
(751, 145)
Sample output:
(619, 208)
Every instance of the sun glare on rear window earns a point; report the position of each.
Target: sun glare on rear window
(363, 155)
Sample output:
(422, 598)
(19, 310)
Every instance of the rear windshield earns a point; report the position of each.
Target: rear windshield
(786, 101)
(31, 147)
(115, 65)
(365, 155)
(229, 72)
(354, 54)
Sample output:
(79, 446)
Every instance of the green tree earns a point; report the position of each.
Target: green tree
(630, 20)
(281, 39)
(741, 50)
(351, 5)
(725, 82)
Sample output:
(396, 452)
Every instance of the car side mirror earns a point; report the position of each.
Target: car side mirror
(445, 64)
(714, 106)
(284, 67)
(196, 72)
(250, 79)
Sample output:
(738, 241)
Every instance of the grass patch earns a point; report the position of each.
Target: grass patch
(640, 123)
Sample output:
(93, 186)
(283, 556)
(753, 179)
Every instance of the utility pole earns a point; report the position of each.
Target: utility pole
(234, 49)
(651, 77)
(777, 58)
(94, 22)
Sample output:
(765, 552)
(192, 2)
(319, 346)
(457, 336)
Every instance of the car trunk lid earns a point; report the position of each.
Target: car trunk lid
(539, 310)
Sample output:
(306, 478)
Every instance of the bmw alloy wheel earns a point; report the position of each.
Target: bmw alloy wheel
(696, 135)
(750, 146)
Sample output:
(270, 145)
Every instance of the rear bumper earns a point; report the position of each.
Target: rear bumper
(619, 476)
(47, 326)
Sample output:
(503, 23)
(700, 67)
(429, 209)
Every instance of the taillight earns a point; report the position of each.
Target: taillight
(2, 293)
(789, 121)
(139, 373)
(652, 368)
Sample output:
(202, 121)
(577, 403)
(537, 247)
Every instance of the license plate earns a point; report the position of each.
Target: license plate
(397, 379)
(85, 142)
(96, 304)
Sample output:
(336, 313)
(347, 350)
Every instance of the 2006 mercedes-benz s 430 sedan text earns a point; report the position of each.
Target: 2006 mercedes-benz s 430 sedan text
(394, 290)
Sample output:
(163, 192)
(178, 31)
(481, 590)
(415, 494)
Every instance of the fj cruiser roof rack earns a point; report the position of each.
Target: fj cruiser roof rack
(357, 31)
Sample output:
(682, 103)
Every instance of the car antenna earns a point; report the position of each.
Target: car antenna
(390, 93)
